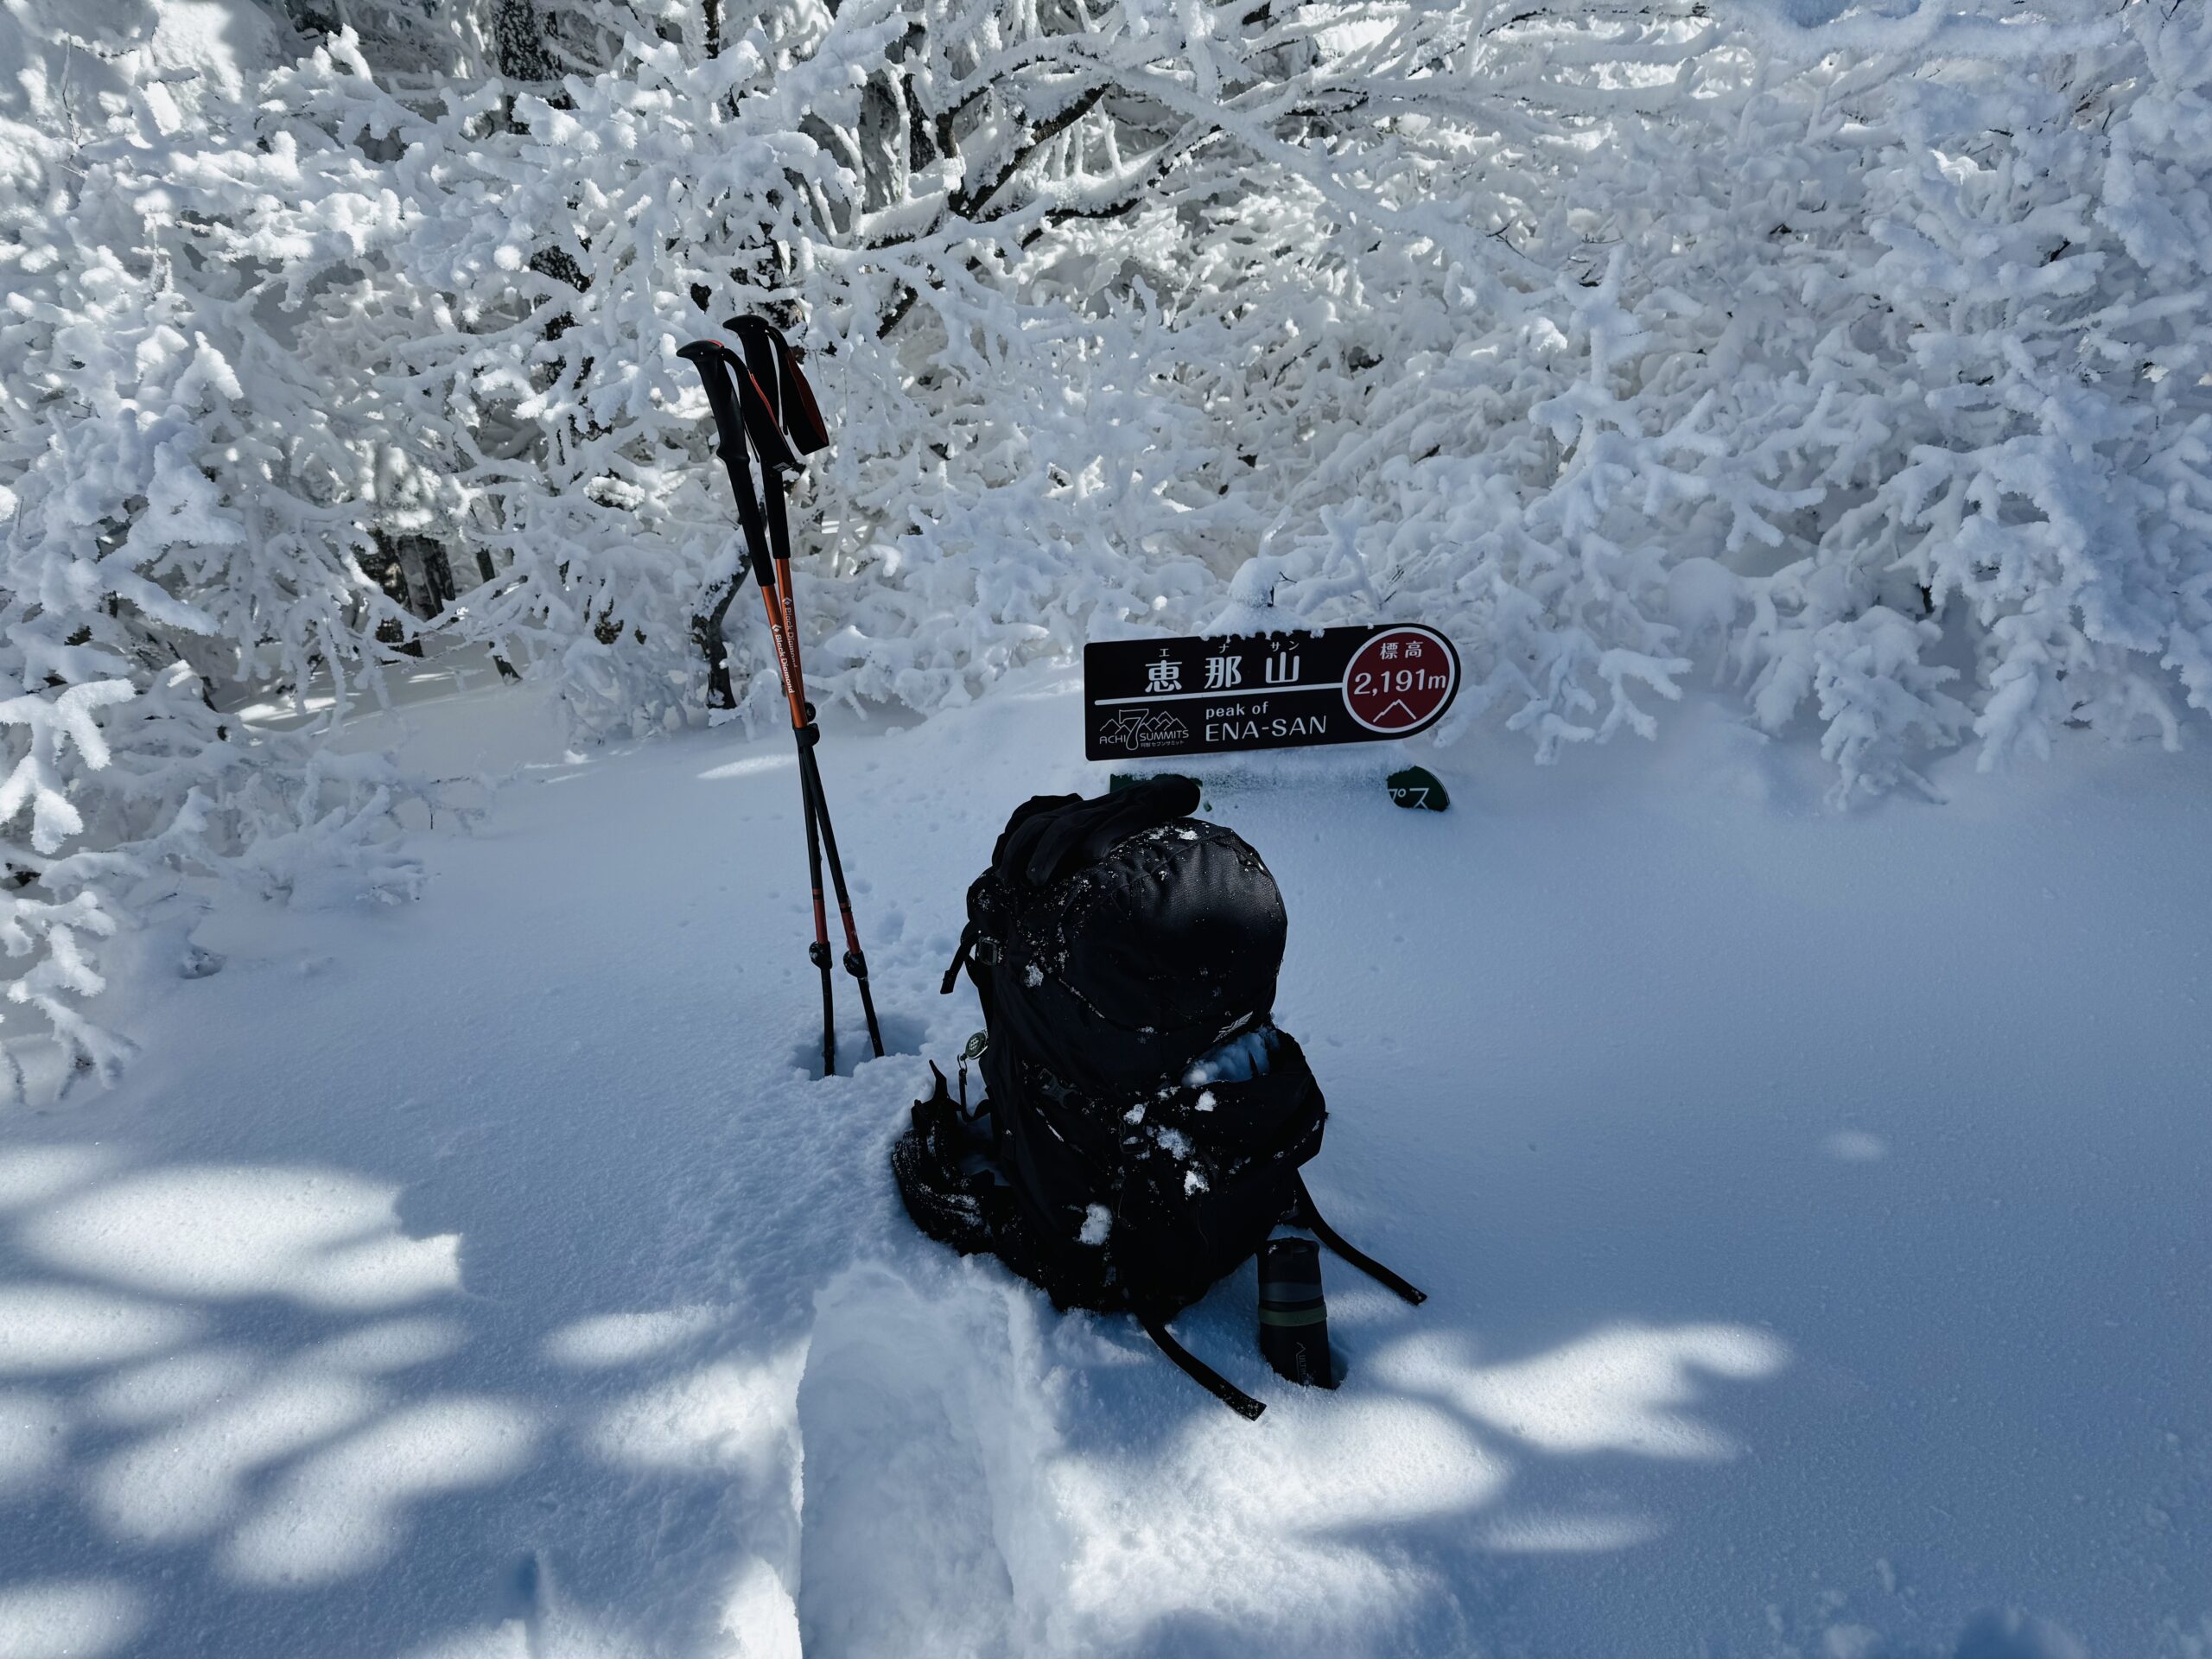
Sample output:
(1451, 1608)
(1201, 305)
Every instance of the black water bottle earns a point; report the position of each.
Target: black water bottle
(1293, 1319)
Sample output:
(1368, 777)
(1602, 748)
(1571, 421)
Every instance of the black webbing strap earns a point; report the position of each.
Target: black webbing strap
(779, 548)
(716, 364)
(959, 960)
(1366, 1263)
(1203, 1373)
(766, 573)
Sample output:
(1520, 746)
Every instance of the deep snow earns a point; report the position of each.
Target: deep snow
(1813, 1207)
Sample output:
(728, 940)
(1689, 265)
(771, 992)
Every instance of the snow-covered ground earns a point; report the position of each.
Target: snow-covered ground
(1814, 1207)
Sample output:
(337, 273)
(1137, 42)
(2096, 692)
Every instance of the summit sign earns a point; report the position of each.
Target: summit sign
(1264, 690)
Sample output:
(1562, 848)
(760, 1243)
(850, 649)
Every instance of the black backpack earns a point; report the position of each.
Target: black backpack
(1144, 1119)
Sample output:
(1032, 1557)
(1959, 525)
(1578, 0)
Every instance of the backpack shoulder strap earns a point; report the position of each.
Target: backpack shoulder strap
(1201, 1373)
(959, 961)
(1310, 1213)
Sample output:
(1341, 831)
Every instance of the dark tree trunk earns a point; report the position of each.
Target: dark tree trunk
(706, 630)
(518, 42)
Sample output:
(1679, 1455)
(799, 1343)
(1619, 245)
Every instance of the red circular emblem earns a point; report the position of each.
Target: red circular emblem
(1402, 680)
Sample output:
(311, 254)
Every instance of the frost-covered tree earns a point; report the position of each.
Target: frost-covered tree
(1854, 353)
(181, 520)
(1867, 356)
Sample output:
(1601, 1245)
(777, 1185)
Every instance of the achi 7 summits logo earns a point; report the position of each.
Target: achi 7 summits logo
(1138, 730)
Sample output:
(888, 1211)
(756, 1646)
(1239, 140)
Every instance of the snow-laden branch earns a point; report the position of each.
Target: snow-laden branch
(1862, 364)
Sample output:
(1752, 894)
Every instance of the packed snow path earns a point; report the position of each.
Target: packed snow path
(1814, 1207)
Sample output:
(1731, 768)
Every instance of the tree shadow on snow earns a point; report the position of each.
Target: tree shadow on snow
(249, 1410)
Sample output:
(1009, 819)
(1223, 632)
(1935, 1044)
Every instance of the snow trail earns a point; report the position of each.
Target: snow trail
(1811, 1206)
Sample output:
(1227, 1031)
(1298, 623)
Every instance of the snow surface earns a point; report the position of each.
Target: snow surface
(1812, 1205)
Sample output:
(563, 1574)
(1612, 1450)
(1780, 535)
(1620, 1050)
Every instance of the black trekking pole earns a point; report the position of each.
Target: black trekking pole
(748, 424)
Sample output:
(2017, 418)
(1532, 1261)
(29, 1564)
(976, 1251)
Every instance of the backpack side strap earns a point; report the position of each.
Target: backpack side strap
(1311, 1215)
(1201, 1373)
(959, 960)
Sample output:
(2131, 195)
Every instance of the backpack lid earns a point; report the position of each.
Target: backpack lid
(1051, 836)
(1125, 939)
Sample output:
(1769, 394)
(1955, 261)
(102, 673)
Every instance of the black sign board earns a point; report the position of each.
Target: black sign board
(1264, 690)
